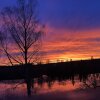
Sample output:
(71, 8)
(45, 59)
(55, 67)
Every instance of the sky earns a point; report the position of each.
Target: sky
(72, 28)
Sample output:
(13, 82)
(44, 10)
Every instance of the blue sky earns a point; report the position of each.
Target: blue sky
(69, 14)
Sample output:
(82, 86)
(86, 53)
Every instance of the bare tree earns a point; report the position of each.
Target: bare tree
(21, 32)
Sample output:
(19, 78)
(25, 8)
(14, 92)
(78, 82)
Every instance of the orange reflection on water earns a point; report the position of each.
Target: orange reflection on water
(57, 86)
(49, 91)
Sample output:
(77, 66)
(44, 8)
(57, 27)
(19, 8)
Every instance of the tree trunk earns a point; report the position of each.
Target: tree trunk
(26, 56)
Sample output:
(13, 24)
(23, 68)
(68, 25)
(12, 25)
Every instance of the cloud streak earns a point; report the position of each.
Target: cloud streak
(76, 45)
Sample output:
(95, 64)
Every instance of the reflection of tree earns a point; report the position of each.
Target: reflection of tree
(50, 82)
(87, 81)
(92, 81)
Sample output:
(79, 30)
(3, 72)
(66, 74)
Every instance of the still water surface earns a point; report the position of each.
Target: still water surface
(69, 89)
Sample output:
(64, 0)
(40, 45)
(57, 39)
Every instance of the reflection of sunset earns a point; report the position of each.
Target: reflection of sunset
(58, 86)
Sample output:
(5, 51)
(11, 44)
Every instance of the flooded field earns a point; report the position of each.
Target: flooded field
(46, 88)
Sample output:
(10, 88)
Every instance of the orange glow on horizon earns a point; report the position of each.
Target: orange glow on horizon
(64, 45)
(75, 45)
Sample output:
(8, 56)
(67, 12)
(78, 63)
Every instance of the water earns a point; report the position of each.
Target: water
(47, 88)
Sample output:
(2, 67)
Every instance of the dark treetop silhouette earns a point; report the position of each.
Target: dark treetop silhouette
(20, 35)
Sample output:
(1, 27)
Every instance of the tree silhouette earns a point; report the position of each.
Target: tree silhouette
(21, 32)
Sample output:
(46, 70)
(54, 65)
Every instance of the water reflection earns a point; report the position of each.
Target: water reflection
(47, 85)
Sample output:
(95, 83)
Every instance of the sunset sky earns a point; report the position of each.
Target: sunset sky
(72, 28)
